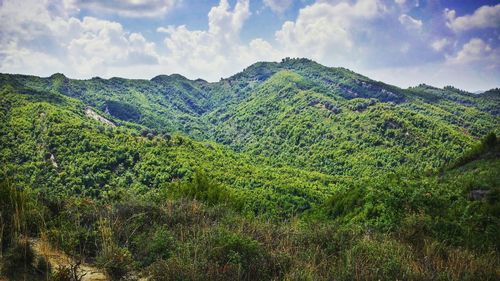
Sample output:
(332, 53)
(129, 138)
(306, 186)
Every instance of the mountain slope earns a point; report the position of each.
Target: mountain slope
(308, 123)
(167, 103)
(297, 113)
(285, 119)
(48, 143)
(285, 171)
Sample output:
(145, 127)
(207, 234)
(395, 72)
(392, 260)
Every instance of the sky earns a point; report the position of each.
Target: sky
(400, 42)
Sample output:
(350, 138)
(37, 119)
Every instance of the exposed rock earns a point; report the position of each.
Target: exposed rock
(53, 160)
(92, 114)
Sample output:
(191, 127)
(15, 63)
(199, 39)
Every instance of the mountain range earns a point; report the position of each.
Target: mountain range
(278, 140)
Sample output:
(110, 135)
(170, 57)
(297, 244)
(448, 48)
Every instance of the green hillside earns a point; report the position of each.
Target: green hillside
(285, 171)
(296, 113)
(63, 151)
(289, 120)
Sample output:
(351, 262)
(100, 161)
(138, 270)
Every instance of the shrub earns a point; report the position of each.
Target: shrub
(172, 270)
(239, 256)
(415, 228)
(154, 245)
(444, 263)
(488, 143)
(72, 226)
(63, 273)
(18, 258)
(330, 238)
(490, 140)
(203, 189)
(114, 259)
(372, 259)
(12, 214)
(123, 111)
(345, 202)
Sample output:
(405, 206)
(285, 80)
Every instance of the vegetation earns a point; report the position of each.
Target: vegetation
(285, 171)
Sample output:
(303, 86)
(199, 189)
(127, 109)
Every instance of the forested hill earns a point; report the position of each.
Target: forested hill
(296, 113)
(285, 171)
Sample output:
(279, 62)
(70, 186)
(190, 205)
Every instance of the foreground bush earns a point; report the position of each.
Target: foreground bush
(185, 239)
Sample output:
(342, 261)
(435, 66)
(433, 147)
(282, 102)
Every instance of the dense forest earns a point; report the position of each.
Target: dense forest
(284, 171)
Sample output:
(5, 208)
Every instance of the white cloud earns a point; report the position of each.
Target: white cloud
(278, 6)
(200, 52)
(162, 29)
(102, 43)
(476, 51)
(410, 22)
(483, 17)
(226, 23)
(16, 59)
(325, 29)
(43, 37)
(127, 8)
(440, 44)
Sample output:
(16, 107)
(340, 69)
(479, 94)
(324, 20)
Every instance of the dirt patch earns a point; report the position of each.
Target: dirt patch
(57, 258)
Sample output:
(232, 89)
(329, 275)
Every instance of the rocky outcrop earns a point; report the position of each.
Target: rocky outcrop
(92, 114)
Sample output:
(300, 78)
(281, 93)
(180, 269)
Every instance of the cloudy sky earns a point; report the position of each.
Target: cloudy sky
(402, 42)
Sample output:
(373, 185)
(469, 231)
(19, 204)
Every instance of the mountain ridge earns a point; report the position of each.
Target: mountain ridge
(287, 62)
(217, 110)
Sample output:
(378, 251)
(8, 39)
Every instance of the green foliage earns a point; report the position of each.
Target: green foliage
(489, 145)
(437, 206)
(237, 256)
(11, 213)
(346, 201)
(285, 171)
(72, 228)
(123, 111)
(158, 244)
(171, 270)
(375, 260)
(115, 260)
(203, 189)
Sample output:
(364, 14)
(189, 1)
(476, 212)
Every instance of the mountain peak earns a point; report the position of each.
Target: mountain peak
(303, 61)
(163, 78)
(57, 76)
(492, 93)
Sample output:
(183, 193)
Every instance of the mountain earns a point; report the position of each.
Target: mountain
(285, 170)
(297, 113)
